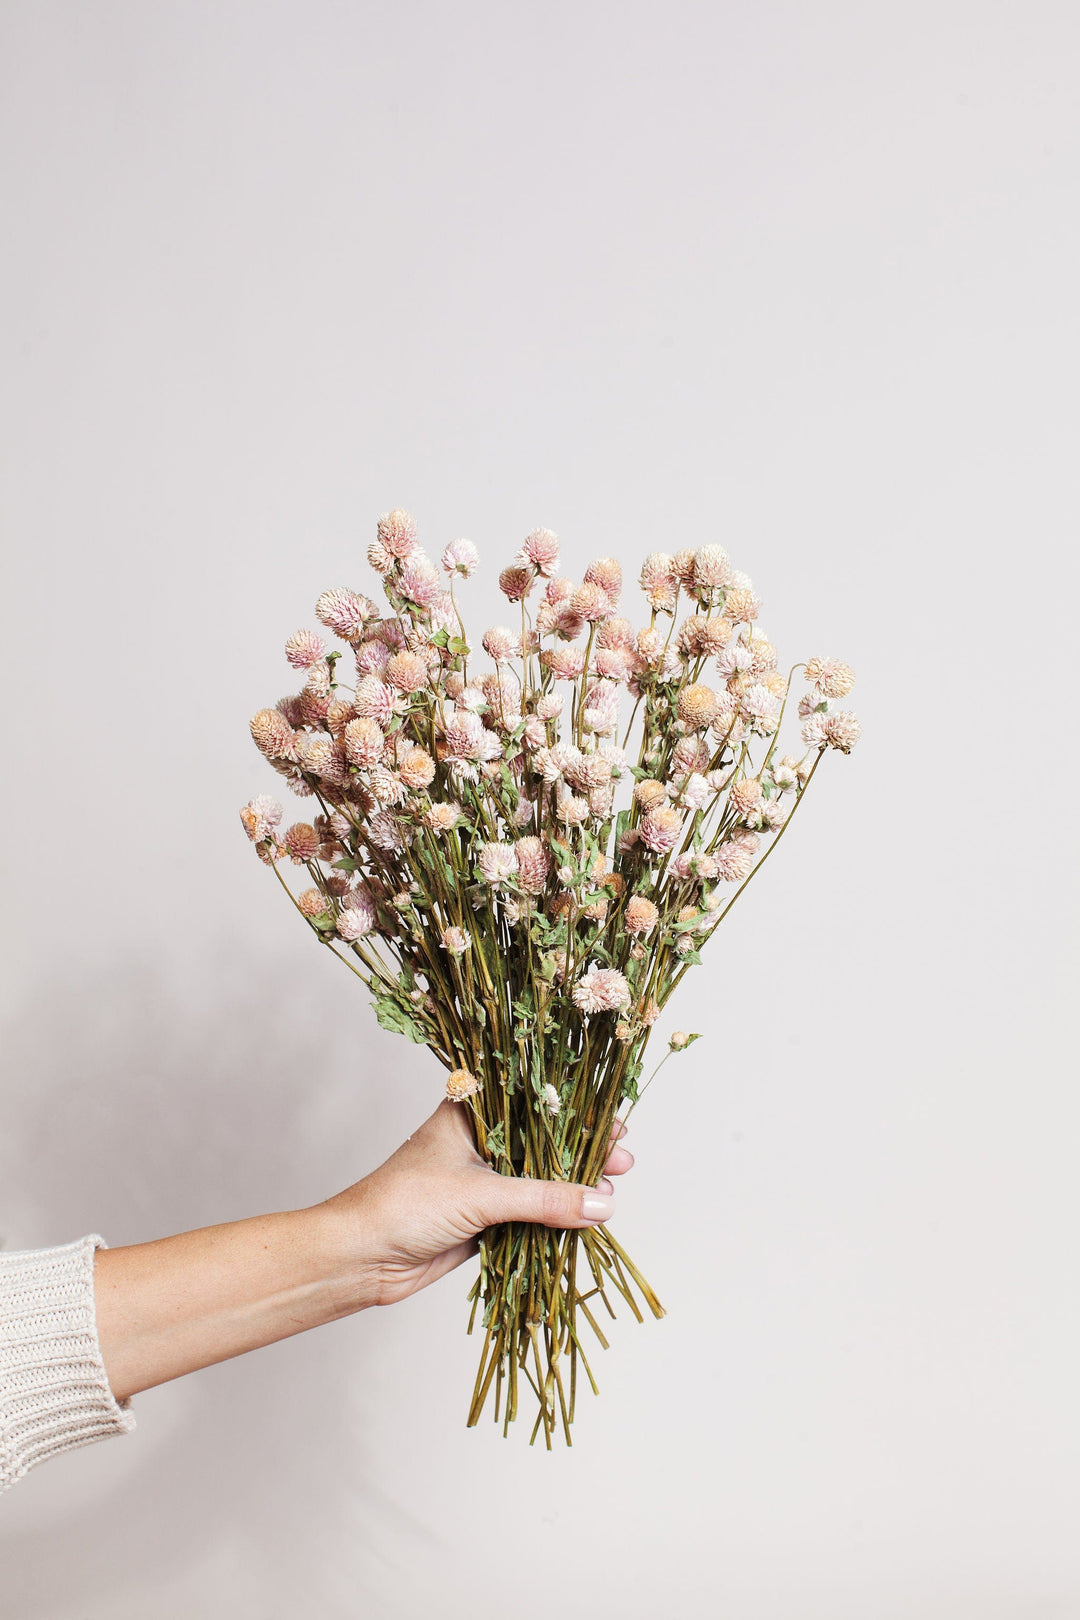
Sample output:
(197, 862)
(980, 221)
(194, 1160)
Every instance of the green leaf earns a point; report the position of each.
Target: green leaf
(441, 638)
(393, 1017)
(458, 646)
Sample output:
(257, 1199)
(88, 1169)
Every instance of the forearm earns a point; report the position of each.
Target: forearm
(169, 1307)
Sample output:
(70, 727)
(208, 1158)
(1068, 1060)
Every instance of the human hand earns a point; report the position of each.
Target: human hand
(420, 1214)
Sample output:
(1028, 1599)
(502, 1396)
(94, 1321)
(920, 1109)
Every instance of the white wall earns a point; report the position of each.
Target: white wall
(800, 278)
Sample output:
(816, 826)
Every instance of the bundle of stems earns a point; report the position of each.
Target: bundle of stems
(521, 873)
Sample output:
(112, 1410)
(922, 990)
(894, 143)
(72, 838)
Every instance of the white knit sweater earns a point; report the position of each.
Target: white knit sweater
(54, 1394)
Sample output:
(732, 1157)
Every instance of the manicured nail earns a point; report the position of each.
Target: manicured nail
(595, 1207)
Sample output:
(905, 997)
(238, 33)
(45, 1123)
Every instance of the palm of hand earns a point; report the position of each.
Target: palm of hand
(420, 1214)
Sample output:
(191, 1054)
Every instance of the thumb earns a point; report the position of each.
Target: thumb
(550, 1203)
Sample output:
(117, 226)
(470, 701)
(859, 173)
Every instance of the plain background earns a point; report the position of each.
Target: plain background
(801, 279)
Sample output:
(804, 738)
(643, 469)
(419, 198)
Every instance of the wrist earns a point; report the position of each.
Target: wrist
(340, 1259)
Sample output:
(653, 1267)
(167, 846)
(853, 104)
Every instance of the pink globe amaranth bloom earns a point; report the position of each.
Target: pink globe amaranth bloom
(590, 602)
(516, 582)
(571, 810)
(551, 706)
(813, 702)
(345, 612)
(690, 754)
(273, 735)
(383, 830)
(695, 792)
(304, 648)
(302, 842)
(356, 918)
(535, 733)
(741, 604)
(842, 730)
(443, 817)
(616, 633)
(734, 862)
(832, 678)
(379, 558)
(660, 830)
(601, 990)
(372, 657)
(417, 768)
(601, 712)
(565, 663)
(607, 573)
(500, 644)
(490, 748)
(407, 671)
(455, 941)
(541, 549)
(313, 902)
(364, 742)
(533, 864)
(587, 771)
(460, 1084)
(419, 583)
(497, 863)
(712, 568)
(641, 915)
(460, 557)
(374, 699)
(761, 707)
(397, 533)
(391, 632)
(462, 735)
(260, 816)
(615, 663)
(552, 1101)
(813, 731)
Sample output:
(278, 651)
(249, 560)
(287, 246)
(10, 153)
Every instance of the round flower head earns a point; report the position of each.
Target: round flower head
(601, 712)
(741, 605)
(660, 830)
(649, 793)
(273, 735)
(842, 730)
(372, 657)
(541, 549)
(641, 915)
(407, 671)
(397, 533)
(550, 706)
(364, 741)
(533, 864)
(813, 731)
(551, 1099)
(357, 919)
(590, 602)
(443, 817)
(761, 707)
(746, 795)
(345, 612)
(417, 768)
(697, 706)
(607, 573)
(497, 863)
(832, 678)
(659, 581)
(374, 699)
(460, 557)
(734, 862)
(302, 842)
(313, 902)
(711, 570)
(460, 1083)
(601, 990)
(565, 663)
(812, 702)
(516, 581)
(260, 816)
(419, 583)
(304, 648)
(500, 644)
(455, 941)
(379, 558)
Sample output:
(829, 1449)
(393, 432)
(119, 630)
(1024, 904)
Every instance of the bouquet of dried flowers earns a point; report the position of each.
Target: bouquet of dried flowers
(520, 861)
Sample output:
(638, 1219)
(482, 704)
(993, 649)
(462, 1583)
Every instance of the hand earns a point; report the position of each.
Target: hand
(419, 1215)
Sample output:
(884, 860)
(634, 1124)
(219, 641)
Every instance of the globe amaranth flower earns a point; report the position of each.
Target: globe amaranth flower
(601, 990)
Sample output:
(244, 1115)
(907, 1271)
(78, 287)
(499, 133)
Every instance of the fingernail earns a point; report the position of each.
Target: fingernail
(595, 1207)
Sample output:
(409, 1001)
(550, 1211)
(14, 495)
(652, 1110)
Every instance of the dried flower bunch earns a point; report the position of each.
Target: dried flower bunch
(522, 860)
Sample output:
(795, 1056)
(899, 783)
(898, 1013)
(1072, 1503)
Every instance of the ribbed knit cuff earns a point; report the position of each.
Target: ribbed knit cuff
(54, 1394)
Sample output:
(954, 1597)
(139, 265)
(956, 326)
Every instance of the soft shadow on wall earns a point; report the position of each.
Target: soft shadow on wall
(136, 1109)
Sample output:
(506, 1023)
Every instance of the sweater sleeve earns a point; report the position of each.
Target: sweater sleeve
(54, 1393)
